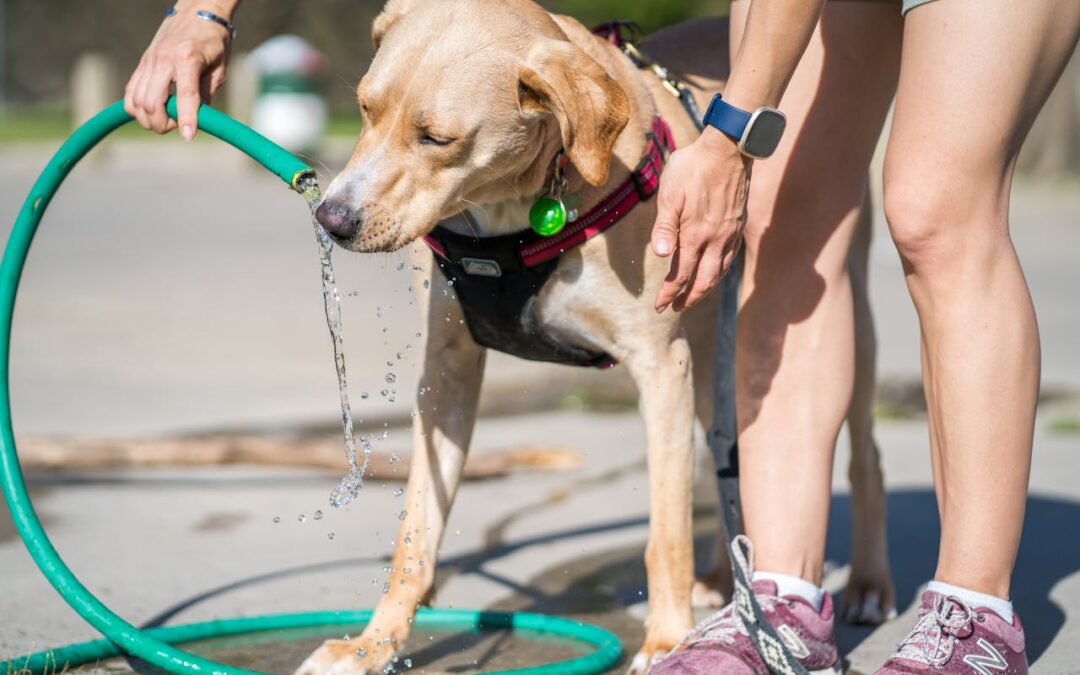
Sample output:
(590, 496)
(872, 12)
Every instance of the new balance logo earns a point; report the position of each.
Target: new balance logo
(983, 663)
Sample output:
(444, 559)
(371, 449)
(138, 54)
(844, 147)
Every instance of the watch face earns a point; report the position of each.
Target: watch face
(763, 132)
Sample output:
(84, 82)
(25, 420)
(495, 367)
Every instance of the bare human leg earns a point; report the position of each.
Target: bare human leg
(795, 345)
(964, 106)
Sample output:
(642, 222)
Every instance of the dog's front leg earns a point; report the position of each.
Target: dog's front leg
(445, 413)
(663, 377)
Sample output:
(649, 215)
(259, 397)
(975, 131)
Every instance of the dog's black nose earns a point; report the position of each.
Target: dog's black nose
(338, 219)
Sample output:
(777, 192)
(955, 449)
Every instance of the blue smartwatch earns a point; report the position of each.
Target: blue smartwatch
(757, 133)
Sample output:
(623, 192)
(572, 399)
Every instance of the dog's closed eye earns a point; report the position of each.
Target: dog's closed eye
(427, 138)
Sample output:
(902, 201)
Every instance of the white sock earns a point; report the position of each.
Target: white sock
(1002, 608)
(787, 585)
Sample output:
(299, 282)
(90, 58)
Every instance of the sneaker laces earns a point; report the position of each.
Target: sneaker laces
(931, 641)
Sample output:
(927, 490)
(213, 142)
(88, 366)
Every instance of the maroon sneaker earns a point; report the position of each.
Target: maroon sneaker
(952, 638)
(720, 643)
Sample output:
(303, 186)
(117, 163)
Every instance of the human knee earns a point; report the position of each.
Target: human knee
(938, 221)
(915, 221)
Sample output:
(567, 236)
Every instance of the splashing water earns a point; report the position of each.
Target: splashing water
(353, 481)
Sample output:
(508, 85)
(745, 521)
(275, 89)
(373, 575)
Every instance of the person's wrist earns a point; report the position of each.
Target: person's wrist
(719, 144)
(223, 8)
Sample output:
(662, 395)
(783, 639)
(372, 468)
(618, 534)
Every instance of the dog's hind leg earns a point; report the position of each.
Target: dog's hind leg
(445, 414)
(869, 597)
(663, 377)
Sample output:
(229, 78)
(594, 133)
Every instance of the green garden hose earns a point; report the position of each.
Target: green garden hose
(154, 645)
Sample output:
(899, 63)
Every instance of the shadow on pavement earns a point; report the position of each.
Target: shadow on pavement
(1049, 552)
(601, 586)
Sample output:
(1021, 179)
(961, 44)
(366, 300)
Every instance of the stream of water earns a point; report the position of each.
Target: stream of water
(353, 481)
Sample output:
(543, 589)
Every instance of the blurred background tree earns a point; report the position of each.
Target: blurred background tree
(41, 40)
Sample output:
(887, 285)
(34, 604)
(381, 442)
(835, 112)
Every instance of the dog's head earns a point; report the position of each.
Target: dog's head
(466, 101)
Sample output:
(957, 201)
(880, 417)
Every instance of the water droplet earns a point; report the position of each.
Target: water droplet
(277, 519)
(384, 393)
(400, 266)
(399, 356)
(384, 435)
(450, 282)
(391, 377)
(426, 284)
(301, 517)
(399, 491)
(407, 570)
(362, 652)
(401, 516)
(330, 536)
(386, 588)
(408, 663)
(418, 334)
(364, 395)
(317, 515)
(682, 363)
(394, 458)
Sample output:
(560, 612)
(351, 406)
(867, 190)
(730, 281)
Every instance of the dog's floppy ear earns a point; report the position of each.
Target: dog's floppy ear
(590, 107)
(392, 11)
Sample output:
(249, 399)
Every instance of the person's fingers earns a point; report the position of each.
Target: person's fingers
(678, 303)
(665, 231)
(731, 251)
(155, 91)
(134, 92)
(188, 96)
(129, 92)
(216, 79)
(706, 276)
(683, 265)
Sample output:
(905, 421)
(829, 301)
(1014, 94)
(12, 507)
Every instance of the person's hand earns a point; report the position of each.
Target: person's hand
(701, 209)
(188, 51)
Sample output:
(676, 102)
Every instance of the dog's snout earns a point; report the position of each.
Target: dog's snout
(338, 219)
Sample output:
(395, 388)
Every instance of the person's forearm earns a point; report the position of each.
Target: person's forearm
(223, 8)
(773, 42)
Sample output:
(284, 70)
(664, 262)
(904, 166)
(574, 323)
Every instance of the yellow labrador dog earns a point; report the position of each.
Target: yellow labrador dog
(470, 109)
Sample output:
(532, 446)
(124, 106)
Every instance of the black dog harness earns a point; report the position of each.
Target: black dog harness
(496, 279)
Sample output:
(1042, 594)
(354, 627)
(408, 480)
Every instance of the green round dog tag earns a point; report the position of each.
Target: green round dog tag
(547, 216)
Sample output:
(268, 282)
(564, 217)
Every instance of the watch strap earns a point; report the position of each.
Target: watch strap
(727, 118)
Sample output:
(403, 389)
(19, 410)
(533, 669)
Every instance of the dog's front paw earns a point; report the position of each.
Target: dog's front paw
(869, 599)
(347, 657)
(644, 660)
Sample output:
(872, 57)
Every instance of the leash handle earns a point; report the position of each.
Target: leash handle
(723, 442)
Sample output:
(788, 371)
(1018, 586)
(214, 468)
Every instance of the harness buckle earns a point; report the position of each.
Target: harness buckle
(481, 267)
